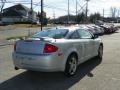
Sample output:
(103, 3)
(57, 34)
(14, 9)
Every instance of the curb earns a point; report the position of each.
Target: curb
(6, 43)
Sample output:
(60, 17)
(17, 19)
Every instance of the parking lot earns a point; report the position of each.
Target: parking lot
(92, 75)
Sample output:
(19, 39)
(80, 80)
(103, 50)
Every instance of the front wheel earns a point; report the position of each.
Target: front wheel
(100, 52)
(71, 65)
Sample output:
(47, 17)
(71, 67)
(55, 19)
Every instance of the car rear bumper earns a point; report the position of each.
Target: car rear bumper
(46, 63)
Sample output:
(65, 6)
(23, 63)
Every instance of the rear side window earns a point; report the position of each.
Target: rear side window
(52, 33)
(74, 35)
(84, 34)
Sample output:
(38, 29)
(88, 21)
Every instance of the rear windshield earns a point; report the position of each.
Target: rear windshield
(56, 33)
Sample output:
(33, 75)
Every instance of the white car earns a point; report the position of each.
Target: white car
(60, 49)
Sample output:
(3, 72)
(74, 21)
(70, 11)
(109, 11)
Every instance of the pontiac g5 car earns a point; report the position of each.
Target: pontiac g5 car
(60, 49)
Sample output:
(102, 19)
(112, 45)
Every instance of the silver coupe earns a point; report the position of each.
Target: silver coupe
(57, 49)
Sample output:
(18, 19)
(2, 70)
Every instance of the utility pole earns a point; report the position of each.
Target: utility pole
(31, 16)
(31, 10)
(68, 12)
(118, 12)
(118, 16)
(76, 8)
(53, 14)
(54, 17)
(31, 5)
(103, 14)
(41, 14)
(86, 9)
(76, 11)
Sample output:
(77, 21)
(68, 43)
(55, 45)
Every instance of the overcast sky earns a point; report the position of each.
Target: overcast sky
(59, 7)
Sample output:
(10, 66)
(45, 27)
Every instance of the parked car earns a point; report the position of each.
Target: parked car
(113, 28)
(96, 30)
(109, 28)
(1, 23)
(100, 29)
(60, 49)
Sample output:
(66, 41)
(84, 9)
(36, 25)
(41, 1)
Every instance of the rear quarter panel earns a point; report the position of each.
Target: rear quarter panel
(67, 47)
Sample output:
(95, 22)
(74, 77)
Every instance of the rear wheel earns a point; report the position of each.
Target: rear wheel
(71, 65)
(100, 52)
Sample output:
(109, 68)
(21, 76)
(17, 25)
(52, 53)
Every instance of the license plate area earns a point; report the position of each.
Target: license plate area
(25, 58)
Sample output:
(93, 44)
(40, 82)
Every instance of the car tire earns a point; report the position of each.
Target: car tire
(71, 65)
(100, 52)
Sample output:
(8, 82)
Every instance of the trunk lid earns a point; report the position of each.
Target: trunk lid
(31, 46)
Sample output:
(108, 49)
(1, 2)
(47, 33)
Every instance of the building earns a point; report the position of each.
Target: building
(19, 14)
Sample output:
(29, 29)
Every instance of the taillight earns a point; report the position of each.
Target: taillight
(49, 48)
(15, 47)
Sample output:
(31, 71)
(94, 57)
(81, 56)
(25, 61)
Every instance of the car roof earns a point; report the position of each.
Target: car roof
(70, 28)
(82, 27)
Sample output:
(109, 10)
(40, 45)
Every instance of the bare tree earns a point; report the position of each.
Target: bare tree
(2, 4)
(113, 12)
(118, 12)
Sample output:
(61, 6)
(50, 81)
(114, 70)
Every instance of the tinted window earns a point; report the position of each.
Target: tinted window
(56, 33)
(84, 34)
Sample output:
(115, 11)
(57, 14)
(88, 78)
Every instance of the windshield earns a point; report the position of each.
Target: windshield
(53, 33)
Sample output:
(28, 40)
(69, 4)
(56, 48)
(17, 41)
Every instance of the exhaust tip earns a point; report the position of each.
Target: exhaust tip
(16, 68)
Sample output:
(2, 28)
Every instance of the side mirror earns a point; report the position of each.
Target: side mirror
(95, 36)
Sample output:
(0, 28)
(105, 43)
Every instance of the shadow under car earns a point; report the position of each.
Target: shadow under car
(49, 81)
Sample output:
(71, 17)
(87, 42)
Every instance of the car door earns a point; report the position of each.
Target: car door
(79, 45)
(86, 38)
